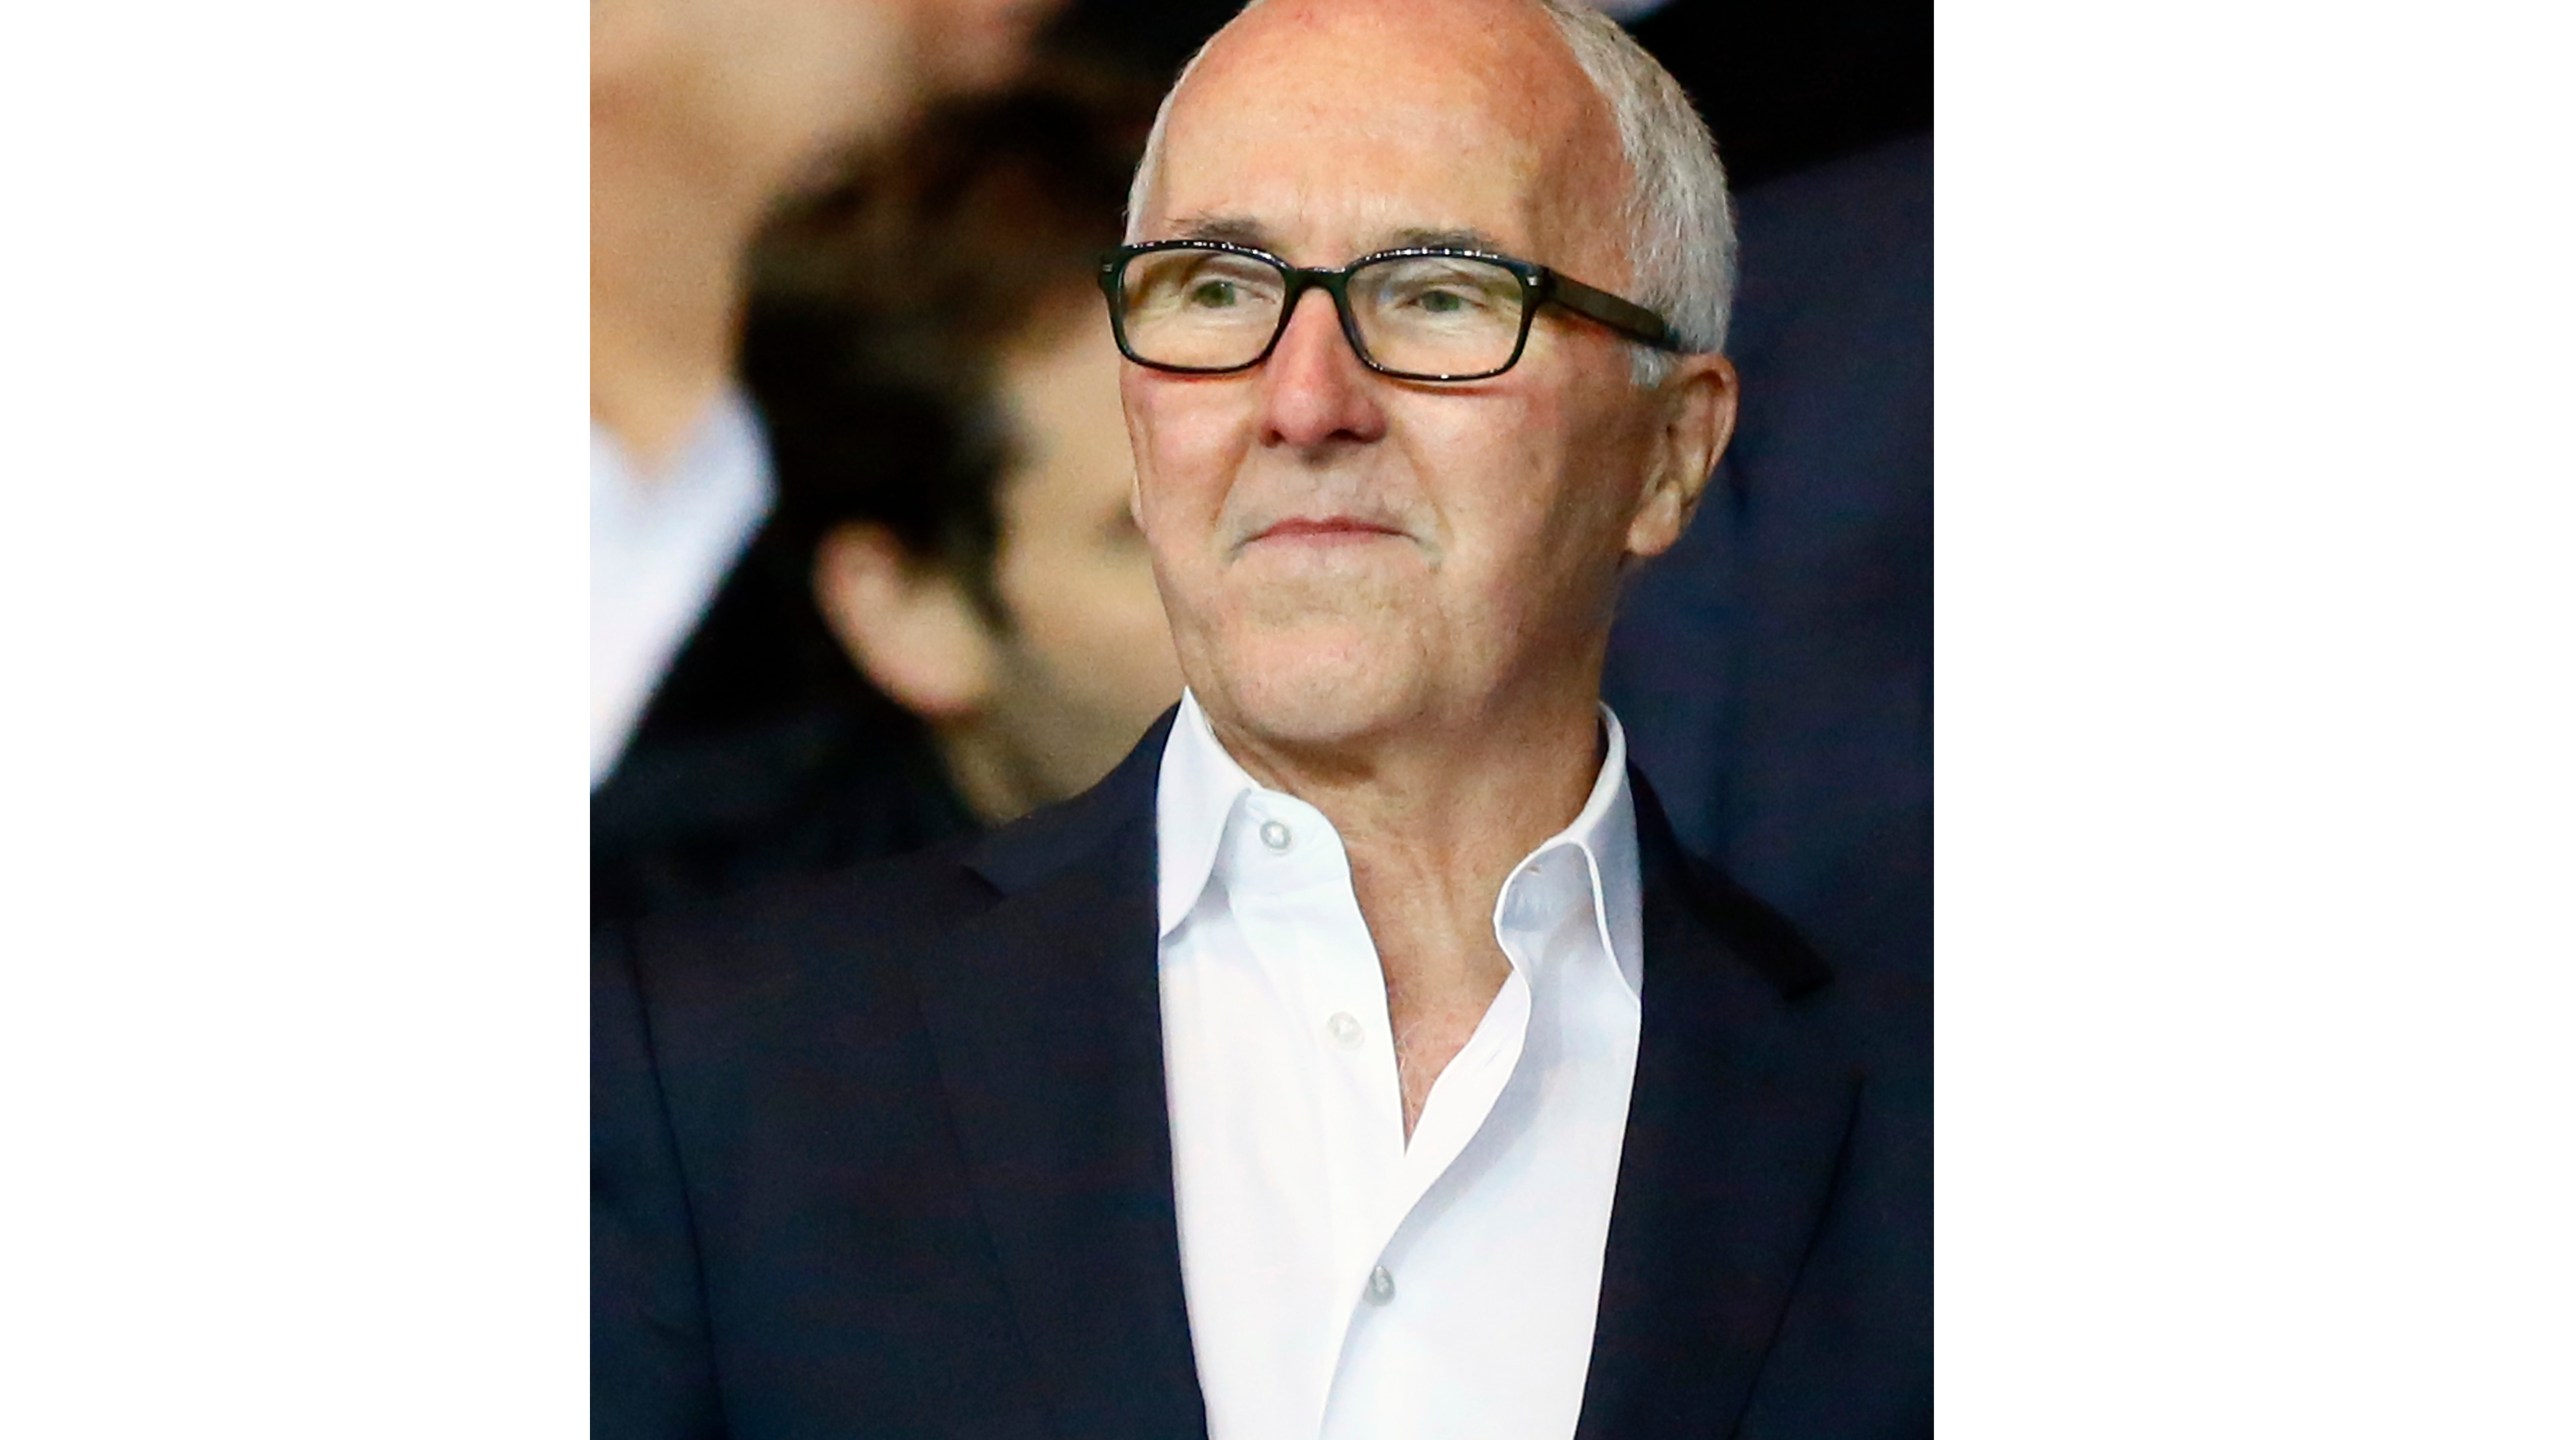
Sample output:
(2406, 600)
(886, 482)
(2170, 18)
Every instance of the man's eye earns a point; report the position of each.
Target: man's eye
(1213, 294)
(1442, 296)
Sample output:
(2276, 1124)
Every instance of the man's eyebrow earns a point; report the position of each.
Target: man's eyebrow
(1230, 229)
(1444, 239)
(1237, 230)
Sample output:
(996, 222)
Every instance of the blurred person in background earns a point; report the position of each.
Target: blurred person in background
(950, 618)
(702, 115)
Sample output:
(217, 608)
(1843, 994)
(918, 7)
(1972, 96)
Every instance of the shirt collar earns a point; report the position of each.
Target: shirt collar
(1197, 788)
(658, 548)
(719, 479)
(1591, 860)
(1199, 785)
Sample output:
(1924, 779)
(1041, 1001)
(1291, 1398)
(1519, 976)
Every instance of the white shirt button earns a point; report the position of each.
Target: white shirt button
(1382, 1286)
(1345, 1030)
(1275, 836)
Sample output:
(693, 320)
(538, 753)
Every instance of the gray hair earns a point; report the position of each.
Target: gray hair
(1678, 219)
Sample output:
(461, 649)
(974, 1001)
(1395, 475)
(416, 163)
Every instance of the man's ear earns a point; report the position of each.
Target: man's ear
(1696, 422)
(912, 627)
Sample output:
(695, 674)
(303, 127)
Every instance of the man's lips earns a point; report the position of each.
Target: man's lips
(1325, 527)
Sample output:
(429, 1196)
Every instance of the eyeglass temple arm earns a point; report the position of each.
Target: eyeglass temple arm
(1628, 319)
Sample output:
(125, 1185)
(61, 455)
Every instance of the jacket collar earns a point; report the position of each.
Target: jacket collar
(1044, 1019)
(1737, 1124)
(1023, 854)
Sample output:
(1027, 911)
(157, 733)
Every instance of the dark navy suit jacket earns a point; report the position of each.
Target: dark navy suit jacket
(887, 1155)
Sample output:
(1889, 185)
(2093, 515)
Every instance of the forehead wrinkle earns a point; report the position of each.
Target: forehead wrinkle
(1273, 212)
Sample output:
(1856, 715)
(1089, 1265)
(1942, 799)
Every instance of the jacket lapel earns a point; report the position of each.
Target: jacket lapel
(1735, 1127)
(1046, 1023)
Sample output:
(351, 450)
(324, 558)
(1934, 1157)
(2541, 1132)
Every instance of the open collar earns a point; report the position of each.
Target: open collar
(1045, 1018)
(1199, 786)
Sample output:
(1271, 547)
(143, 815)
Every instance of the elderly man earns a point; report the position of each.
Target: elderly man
(1361, 1058)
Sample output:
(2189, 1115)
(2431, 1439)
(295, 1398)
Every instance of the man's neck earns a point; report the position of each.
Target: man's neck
(987, 779)
(1460, 798)
(1432, 825)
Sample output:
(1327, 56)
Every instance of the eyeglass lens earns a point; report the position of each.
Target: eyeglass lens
(1424, 315)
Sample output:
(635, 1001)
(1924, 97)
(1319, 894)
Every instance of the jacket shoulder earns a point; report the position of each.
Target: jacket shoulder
(778, 943)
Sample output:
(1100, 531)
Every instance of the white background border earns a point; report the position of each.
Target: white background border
(2246, 637)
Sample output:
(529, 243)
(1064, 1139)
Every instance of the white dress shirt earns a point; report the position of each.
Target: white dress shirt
(658, 547)
(1343, 1282)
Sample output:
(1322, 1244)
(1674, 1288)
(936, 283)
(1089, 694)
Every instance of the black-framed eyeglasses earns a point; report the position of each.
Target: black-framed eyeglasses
(1206, 307)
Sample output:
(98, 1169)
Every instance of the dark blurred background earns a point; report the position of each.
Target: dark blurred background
(1783, 86)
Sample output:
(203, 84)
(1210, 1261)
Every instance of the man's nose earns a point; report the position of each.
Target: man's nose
(1315, 390)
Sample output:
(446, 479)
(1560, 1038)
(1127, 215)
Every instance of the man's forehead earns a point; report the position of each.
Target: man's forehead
(1379, 139)
(1497, 74)
(1457, 36)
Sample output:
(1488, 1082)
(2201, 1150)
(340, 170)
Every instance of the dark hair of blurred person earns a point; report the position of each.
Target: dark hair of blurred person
(703, 114)
(950, 616)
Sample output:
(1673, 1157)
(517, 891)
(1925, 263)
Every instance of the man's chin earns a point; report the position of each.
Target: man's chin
(1317, 691)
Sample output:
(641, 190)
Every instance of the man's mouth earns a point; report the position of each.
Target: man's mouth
(1324, 529)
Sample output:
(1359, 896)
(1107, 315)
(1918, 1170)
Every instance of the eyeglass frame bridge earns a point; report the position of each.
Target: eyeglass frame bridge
(1540, 285)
